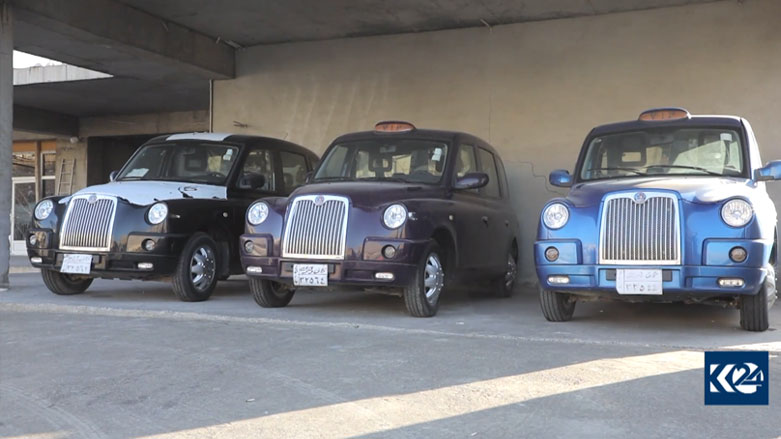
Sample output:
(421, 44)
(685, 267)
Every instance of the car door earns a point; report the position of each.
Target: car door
(467, 211)
(495, 215)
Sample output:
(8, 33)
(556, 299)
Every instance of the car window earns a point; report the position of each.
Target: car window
(488, 166)
(293, 169)
(208, 163)
(259, 162)
(689, 151)
(466, 162)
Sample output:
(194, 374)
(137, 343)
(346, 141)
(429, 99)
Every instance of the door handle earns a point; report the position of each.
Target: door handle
(484, 219)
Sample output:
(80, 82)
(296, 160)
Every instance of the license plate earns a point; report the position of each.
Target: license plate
(310, 275)
(76, 264)
(635, 281)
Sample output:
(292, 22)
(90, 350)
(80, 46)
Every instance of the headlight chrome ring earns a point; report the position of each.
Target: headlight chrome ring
(395, 216)
(43, 209)
(737, 212)
(157, 213)
(555, 215)
(257, 213)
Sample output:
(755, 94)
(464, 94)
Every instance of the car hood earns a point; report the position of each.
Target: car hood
(692, 189)
(370, 193)
(143, 193)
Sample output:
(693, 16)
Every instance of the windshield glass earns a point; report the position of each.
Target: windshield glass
(689, 151)
(208, 163)
(405, 160)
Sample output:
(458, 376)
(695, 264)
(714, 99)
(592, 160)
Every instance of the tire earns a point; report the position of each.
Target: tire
(755, 309)
(270, 294)
(196, 272)
(422, 295)
(64, 284)
(556, 307)
(503, 286)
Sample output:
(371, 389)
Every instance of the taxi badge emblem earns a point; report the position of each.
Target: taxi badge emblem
(92, 199)
(319, 200)
(640, 197)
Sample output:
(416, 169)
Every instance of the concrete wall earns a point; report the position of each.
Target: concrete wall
(533, 90)
(155, 123)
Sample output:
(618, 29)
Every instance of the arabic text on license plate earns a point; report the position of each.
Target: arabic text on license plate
(315, 275)
(76, 264)
(636, 281)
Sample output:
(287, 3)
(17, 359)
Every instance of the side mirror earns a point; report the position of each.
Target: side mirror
(252, 181)
(113, 175)
(472, 180)
(771, 171)
(560, 178)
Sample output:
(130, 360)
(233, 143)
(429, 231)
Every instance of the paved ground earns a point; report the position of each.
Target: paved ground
(128, 360)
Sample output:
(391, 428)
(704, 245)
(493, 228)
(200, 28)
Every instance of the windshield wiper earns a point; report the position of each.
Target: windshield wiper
(333, 178)
(618, 169)
(397, 179)
(696, 168)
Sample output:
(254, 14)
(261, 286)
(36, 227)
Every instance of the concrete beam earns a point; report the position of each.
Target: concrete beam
(109, 36)
(45, 122)
(6, 136)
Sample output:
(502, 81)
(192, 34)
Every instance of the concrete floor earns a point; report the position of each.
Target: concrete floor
(126, 359)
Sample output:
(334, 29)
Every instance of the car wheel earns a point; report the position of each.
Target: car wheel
(556, 307)
(422, 295)
(503, 286)
(196, 271)
(754, 309)
(65, 284)
(270, 294)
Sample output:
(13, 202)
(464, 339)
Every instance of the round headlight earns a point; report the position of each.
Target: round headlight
(555, 216)
(737, 212)
(157, 213)
(257, 213)
(44, 209)
(395, 216)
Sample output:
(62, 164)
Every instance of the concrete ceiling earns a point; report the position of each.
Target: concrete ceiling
(253, 22)
(163, 53)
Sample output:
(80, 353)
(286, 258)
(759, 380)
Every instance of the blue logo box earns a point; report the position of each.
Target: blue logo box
(736, 378)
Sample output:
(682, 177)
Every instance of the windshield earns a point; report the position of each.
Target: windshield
(689, 151)
(405, 160)
(208, 163)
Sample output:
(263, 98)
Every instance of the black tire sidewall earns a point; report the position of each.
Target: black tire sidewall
(264, 295)
(415, 293)
(182, 279)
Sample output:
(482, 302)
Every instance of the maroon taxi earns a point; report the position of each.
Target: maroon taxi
(398, 209)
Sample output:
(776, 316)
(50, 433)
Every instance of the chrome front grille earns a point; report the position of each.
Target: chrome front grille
(316, 227)
(88, 223)
(640, 228)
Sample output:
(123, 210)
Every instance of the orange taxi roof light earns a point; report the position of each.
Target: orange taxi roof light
(393, 127)
(658, 114)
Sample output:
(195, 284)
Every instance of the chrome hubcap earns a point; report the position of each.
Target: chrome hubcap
(512, 272)
(202, 268)
(434, 278)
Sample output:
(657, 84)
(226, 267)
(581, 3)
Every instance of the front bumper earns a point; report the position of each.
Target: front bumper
(359, 269)
(679, 281)
(114, 264)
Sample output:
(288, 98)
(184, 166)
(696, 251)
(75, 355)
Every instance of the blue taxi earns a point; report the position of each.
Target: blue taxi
(671, 207)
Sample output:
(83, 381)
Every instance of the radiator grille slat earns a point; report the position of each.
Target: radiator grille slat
(88, 226)
(316, 230)
(640, 232)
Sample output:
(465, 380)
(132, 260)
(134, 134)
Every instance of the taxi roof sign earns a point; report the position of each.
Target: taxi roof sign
(660, 114)
(393, 126)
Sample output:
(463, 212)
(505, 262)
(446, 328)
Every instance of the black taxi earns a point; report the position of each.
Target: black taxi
(397, 209)
(174, 211)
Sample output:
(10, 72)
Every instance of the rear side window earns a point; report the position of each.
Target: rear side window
(488, 166)
(260, 162)
(293, 169)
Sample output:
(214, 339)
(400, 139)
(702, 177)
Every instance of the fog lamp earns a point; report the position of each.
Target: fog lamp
(33, 240)
(384, 276)
(731, 282)
(738, 254)
(36, 260)
(149, 244)
(254, 270)
(559, 280)
(389, 251)
(145, 265)
(551, 254)
(249, 246)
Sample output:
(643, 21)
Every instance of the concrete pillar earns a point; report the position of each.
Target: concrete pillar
(6, 135)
